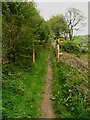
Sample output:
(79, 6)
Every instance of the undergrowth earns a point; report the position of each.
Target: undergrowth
(70, 91)
(22, 90)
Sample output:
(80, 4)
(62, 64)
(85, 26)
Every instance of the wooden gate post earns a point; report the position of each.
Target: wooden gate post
(58, 55)
(33, 55)
(58, 51)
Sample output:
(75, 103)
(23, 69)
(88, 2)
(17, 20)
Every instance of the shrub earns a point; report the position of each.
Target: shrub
(84, 50)
(69, 91)
(70, 47)
(62, 39)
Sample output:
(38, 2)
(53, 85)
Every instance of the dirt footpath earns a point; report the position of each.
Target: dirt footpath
(47, 109)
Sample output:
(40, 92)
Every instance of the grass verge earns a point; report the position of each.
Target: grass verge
(22, 90)
(70, 91)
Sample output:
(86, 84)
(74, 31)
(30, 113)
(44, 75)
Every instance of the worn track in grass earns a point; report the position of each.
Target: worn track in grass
(47, 108)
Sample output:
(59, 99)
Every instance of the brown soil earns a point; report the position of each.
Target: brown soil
(47, 109)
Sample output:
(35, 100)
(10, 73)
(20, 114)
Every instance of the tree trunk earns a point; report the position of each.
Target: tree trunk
(70, 35)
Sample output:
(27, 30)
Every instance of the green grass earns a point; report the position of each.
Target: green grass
(70, 91)
(22, 90)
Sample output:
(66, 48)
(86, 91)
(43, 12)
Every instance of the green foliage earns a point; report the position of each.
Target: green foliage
(80, 39)
(70, 47)
(23, 30)
(70, 91)
(62, 39)
(57, 25)
(84, 51)
(22, 90)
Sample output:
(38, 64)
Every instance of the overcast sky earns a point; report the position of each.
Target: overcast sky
(53, 7)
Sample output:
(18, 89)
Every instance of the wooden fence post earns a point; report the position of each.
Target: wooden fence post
(58, 55)
(58, 51)
(33, 56)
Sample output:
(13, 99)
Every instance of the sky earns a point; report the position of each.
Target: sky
(54, 7)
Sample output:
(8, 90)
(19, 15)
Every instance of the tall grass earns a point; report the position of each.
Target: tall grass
(22, 90)
(70, 91)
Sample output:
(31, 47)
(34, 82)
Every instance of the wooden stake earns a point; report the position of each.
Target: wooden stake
(58, 51)
(58, 55)
(33, 55)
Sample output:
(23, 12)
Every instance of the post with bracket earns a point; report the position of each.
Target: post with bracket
(58, 51)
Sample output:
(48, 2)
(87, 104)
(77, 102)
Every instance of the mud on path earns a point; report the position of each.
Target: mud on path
(46, 106)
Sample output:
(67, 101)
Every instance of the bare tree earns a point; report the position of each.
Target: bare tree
(75, 20)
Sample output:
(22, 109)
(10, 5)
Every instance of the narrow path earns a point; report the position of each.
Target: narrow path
(47, 109)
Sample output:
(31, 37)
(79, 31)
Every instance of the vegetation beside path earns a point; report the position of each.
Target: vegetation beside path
(27, 41)
(70, 89)
(22, 90)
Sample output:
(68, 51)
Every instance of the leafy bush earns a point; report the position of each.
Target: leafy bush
(70, 47)
(70, 95)
(62, 39)
(84, 50)
(23, 30)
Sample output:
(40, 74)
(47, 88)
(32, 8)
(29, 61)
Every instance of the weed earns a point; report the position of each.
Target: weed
(22, 90)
